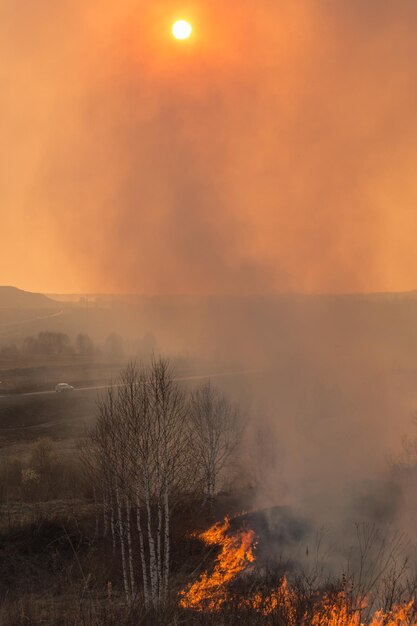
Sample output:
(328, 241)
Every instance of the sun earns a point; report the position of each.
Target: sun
(182, 30)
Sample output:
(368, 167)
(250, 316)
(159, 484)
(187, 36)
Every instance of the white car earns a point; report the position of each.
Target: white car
(63, 387)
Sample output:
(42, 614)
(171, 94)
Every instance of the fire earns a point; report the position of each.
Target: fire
(338, 612)
(283, 599)
(210, 592)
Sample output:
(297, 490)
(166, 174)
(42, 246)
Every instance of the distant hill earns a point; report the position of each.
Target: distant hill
(13, 298)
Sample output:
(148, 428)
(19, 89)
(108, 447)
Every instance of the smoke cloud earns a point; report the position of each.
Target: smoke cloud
(275, 151)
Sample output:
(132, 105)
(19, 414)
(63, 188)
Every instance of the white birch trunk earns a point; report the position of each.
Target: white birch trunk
(112, 526)
(211, 484)
(159, 548)
(129, 547)
(122, 545)
(152, 559)
(105, 514)
(166, 546)
(142, 553)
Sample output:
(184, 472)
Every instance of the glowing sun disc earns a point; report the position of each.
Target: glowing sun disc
(182, 30)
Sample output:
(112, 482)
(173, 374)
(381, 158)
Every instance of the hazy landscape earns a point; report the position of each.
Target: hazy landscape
(208, 313)
(325, 464)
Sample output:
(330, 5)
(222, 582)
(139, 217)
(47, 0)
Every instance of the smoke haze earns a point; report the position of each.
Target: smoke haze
(274, 151)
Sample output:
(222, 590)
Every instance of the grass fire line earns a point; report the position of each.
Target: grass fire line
(211, 591)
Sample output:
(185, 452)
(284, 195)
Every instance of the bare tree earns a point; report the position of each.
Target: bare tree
(215, 434)
(169, 462)
(139, 450)
(104, 456)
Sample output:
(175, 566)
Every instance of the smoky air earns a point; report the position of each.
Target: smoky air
(208, 313)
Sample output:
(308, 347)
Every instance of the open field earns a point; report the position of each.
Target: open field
(327, 389)
(42, 374)
(31, 408)
(63, 417)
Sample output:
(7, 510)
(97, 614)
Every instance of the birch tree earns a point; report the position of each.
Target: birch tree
(215, 435)
(139, 448)
(102, 454)
(170, 459)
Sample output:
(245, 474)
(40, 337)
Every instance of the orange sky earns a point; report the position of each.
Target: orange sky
(274, 151)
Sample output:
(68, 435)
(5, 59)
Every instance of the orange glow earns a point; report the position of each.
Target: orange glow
(338, 612)
(282, 598)
(306, 198)
(210, 592)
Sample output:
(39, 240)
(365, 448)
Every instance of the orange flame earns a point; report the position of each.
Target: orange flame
(338, 613)
(282, 598)
(209, 592)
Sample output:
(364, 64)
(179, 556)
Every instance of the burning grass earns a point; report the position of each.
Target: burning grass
(214, 593)
(233, 590)
(210, 591)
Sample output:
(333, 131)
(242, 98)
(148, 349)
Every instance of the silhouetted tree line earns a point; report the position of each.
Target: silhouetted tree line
(55, 344)
(48, 344)
(58, 344)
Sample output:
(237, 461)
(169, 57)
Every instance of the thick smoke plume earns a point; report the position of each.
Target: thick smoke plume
(273, 152)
